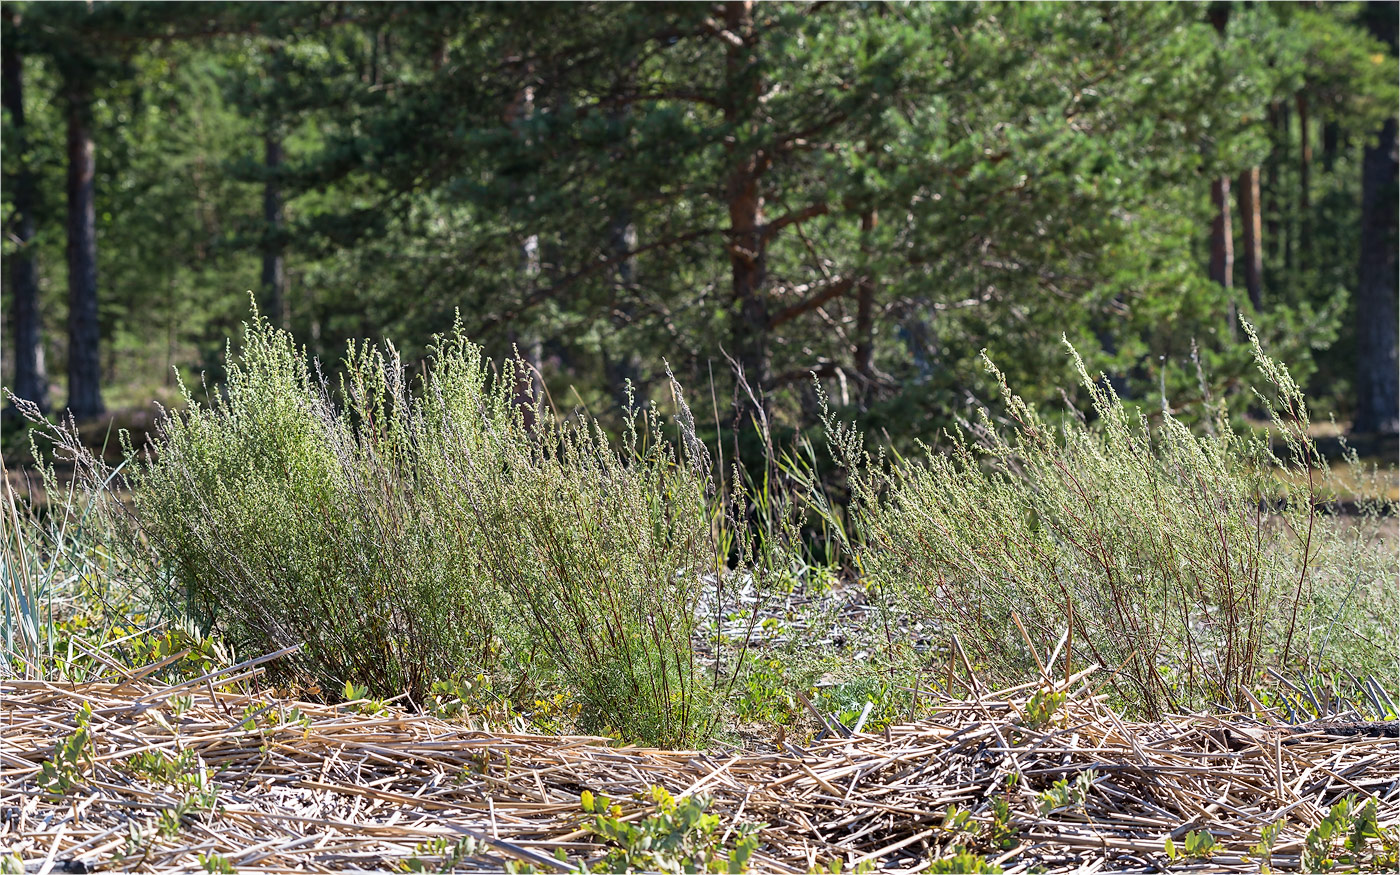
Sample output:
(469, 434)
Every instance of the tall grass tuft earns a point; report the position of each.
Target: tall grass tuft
(36, 576)
(411, 531)
(1183, 564)
(65, 600)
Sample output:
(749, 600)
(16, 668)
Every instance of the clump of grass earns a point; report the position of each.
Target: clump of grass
(412, 531)
(1180, 562)
(34, 578)
(62, 599)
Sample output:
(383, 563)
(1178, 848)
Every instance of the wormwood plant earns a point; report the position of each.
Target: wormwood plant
(1184, 564)
(405, 532)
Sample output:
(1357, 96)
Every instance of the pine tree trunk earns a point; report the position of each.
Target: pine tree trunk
(1222, 240)
(865, 315)
(743, 193)
(84, 331)
(1377, 380)
(31, 377)
(1304, 182)
(621, 364)
(1377, 386)
(1222, 243)
(1331, 145)
(1288, 231)
(1270, 185)
(274, 280)
(1251, 229)
(527, 346)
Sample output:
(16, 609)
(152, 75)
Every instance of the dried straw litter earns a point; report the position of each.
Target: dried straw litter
(331, 788)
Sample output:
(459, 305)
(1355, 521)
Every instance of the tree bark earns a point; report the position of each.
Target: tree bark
(1251, 230)
(1331, 145)
(1377, 380)
(84, 331)
(31, 376)
(1222, 243)
(865, 314)
(621, 364)
(274, 279)
(1222, 240)
(527, 346)
(621, 360)
(744, 197)
(1304, 181)
(1271, 183)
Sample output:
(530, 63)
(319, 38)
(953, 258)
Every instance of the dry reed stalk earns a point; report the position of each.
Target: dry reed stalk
(337, 789)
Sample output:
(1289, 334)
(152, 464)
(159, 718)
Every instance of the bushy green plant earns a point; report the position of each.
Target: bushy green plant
(1365, 844)
(678, 836)
(405, 532)
(603, 555)
(1182, 563)
(963, 860)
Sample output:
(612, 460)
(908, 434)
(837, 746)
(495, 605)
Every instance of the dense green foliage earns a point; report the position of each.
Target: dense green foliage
(872, 191)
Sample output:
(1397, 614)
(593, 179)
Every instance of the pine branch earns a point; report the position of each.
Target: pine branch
(823, 293)
(772, 228)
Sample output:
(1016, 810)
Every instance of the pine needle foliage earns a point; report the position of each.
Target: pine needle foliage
(1185, 564)
(408, 530)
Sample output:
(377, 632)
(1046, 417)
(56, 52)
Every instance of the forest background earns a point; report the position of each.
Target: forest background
(868, 192)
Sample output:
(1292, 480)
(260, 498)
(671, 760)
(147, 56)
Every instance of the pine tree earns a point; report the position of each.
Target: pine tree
(31, 376)
(1378, 370)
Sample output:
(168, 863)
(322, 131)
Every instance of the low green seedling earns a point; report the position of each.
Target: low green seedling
(1062, 794)
(358, 697)
(963, 860)
(1041, 708)
(999, 833)
(1002, 834)
(679, 836)
(1197, 844)
(447, 854)
(1264, 849)
(960, 820)
(71, 758)
(154, 765)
